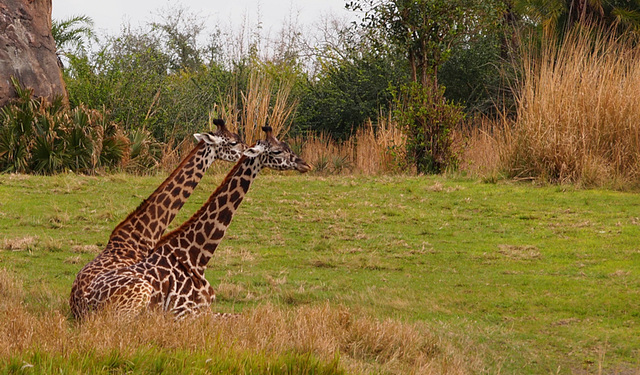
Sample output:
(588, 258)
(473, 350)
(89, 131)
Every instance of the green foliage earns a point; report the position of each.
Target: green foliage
(424, 31)
(179, 31)
(144, 151)
(474, 74)
(72, 34)
(140, 79)
(347, 93)
(428, 120)
(559, 16)
(15, 130)
(46, 138)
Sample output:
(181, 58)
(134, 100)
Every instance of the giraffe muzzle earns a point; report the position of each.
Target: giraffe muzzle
(302, 166)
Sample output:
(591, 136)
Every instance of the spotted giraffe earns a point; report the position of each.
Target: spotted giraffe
(172, 277)
(135, 237)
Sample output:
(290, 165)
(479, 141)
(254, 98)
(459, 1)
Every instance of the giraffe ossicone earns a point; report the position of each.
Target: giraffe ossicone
(137, 235)
(172, 278)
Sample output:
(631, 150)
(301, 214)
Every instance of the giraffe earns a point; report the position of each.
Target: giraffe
(134, 238)
(172, 278)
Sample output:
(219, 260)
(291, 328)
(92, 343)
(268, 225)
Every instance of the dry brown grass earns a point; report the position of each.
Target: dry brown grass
(578, 115)
(265, 102)
(479, 153)
(374, 149)
(363, 344)
(380, 149)
(19, 244)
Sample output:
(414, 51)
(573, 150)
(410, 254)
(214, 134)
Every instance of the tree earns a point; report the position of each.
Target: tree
(424, 32)
(352, 82)
(559, 16)
(179, 31)
(72, 34)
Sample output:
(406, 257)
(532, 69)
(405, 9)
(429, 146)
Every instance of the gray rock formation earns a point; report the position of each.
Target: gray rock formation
(27, 49)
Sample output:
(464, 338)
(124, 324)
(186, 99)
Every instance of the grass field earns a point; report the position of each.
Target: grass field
(430, 274)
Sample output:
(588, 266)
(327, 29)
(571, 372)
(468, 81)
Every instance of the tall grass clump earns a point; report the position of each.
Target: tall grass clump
(578, 113)
(320, 339)
(374, 148)
(381, 148)
(478, 149)
(266, 100)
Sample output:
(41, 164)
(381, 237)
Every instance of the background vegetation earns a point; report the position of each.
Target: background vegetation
(459, 79)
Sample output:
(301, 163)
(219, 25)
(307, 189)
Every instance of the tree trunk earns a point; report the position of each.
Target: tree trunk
(28, 51)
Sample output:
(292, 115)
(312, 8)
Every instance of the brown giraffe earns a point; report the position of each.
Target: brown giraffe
(172, 277)
(135, 237)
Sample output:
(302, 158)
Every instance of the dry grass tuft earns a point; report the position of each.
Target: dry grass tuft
(172, 155)
(479, 154)
(74, 260)
(363, 344)
(266, 101)
(19, 244)
(520, 252)
(381, 148)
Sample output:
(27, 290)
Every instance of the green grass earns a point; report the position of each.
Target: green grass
(536, 279)
(159, 362)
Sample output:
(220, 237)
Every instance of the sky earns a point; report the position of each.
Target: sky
(108, 16)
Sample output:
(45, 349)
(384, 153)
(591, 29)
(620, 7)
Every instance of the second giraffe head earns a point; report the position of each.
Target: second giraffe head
(227, 146)
(275, 154)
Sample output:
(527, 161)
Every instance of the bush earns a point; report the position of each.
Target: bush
(46, 138)
(348, 93)
(428, 120)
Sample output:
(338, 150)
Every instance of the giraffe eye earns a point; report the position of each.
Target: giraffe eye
(277, 152)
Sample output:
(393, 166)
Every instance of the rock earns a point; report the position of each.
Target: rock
(27, 50)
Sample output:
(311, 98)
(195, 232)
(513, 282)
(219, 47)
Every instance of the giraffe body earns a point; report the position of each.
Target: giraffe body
(136, 236)
(173, 274)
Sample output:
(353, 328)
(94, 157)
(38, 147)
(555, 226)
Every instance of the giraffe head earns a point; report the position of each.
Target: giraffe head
(225, 145)
(276, 155)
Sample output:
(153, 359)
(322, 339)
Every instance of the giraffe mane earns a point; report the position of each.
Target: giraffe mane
(177, 170)
(167, 237)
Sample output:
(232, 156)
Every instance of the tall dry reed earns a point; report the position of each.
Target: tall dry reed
(379, 149)
(578, 113)
(264, 102)
(375, 148)
(478, 148)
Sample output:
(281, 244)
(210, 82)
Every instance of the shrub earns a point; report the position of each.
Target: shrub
(428, 120)
(46, 138)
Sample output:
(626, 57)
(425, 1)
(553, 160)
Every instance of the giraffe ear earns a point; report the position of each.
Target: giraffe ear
(208, 138)
(254, 151)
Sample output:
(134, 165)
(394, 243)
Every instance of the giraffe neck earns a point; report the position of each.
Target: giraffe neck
(194, 243)
(145, 225)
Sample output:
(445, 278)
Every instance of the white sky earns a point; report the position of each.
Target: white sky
(108, 16)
